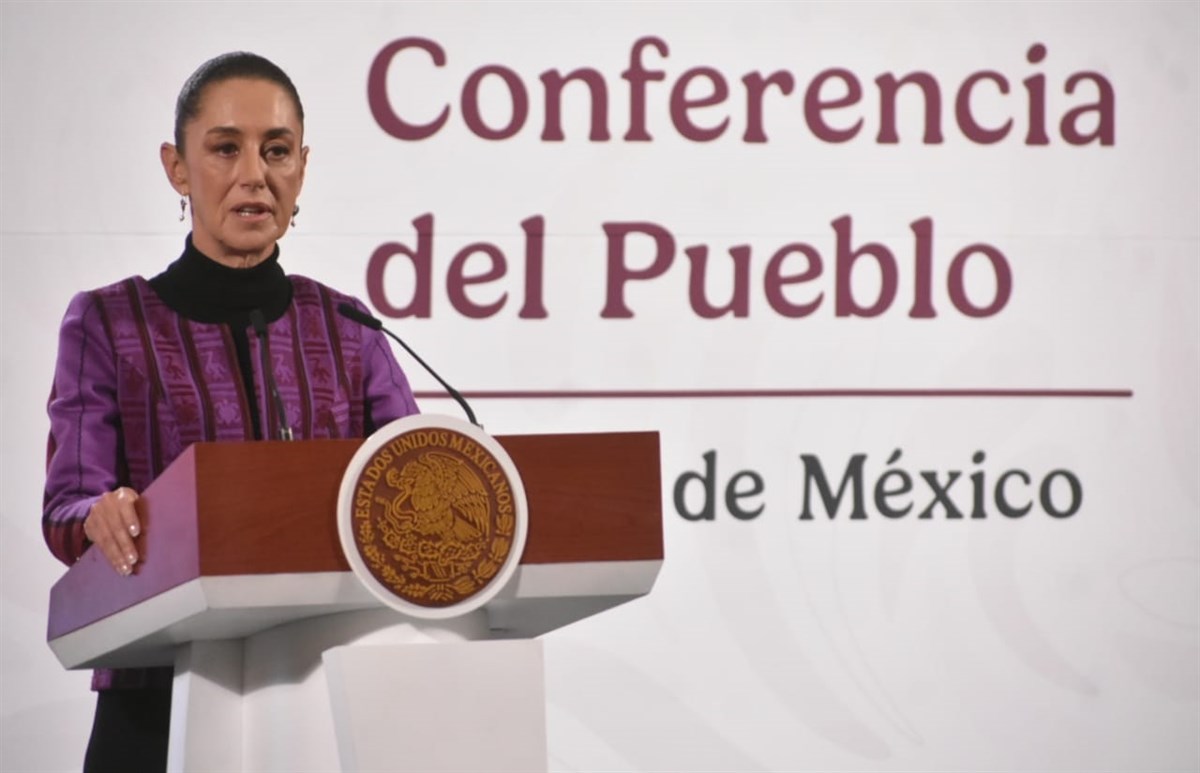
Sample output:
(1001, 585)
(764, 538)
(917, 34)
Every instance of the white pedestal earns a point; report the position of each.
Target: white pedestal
(367, 690)
(206, 708)
(473, 706)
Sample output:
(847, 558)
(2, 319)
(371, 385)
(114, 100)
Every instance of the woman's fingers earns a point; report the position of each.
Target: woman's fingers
(111, 526)
(129, 517)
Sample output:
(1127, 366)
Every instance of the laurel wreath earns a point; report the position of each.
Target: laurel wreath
(468, 572)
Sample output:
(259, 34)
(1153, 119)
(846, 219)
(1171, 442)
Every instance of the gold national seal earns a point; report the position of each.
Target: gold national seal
(433, 516)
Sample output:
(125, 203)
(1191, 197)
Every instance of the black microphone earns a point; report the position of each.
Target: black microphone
(260, 329)
(362, 318)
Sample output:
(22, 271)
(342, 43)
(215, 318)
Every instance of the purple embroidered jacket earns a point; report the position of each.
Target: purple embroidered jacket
(136, 383)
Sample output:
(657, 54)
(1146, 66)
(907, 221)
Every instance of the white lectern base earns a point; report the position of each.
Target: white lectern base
(357, 692)
(452, 707)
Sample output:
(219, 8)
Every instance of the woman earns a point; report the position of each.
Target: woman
(145, 368)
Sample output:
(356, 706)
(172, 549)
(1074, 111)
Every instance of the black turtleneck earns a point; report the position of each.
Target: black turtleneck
(200, 289)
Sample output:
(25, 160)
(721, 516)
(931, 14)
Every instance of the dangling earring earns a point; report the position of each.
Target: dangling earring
(295, 212)
(182, 207)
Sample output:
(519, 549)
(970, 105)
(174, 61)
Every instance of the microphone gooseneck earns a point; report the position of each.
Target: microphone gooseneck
(366, 320)
(259, 323)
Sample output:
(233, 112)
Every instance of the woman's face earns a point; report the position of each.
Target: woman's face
(241, 167)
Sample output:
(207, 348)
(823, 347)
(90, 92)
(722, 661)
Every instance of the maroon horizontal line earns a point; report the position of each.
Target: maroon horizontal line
(656, 394)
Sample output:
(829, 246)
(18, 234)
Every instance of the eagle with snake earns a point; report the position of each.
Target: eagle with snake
(438, 496)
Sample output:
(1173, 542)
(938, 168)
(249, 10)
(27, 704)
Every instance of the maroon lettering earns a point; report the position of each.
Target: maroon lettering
(619, 274)
(457, 280)
(1035, 86)
(966, 119)
(700, 87)
(846, 305)
(815, 106)
(922, 307)
(535, 231)
(1105, 109)
(775, 279)
(889, 86)
(739, 303)
(681, 104)
(638, 75)
(756, 85)
(957, 285)
(421, 259)
(476, 264)
(553, 83)
(851, 298)
(517, 97)
(377, 91)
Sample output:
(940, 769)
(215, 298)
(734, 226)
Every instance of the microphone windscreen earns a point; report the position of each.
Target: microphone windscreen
(348, 311)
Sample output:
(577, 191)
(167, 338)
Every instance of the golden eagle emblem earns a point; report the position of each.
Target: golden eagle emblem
(433, 536)
(438, 497)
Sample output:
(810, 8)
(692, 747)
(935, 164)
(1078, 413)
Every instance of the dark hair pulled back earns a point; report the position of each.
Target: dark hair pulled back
(235, 64)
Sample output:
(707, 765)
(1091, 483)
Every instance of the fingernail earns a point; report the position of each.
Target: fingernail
(125, 570)
(131, 558)
(133, 529)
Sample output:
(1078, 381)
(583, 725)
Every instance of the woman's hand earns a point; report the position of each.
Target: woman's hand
(111, 525)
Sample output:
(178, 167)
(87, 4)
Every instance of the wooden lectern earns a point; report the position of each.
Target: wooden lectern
(242, 585)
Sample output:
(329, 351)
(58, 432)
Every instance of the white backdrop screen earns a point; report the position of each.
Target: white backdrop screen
(909, 290)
